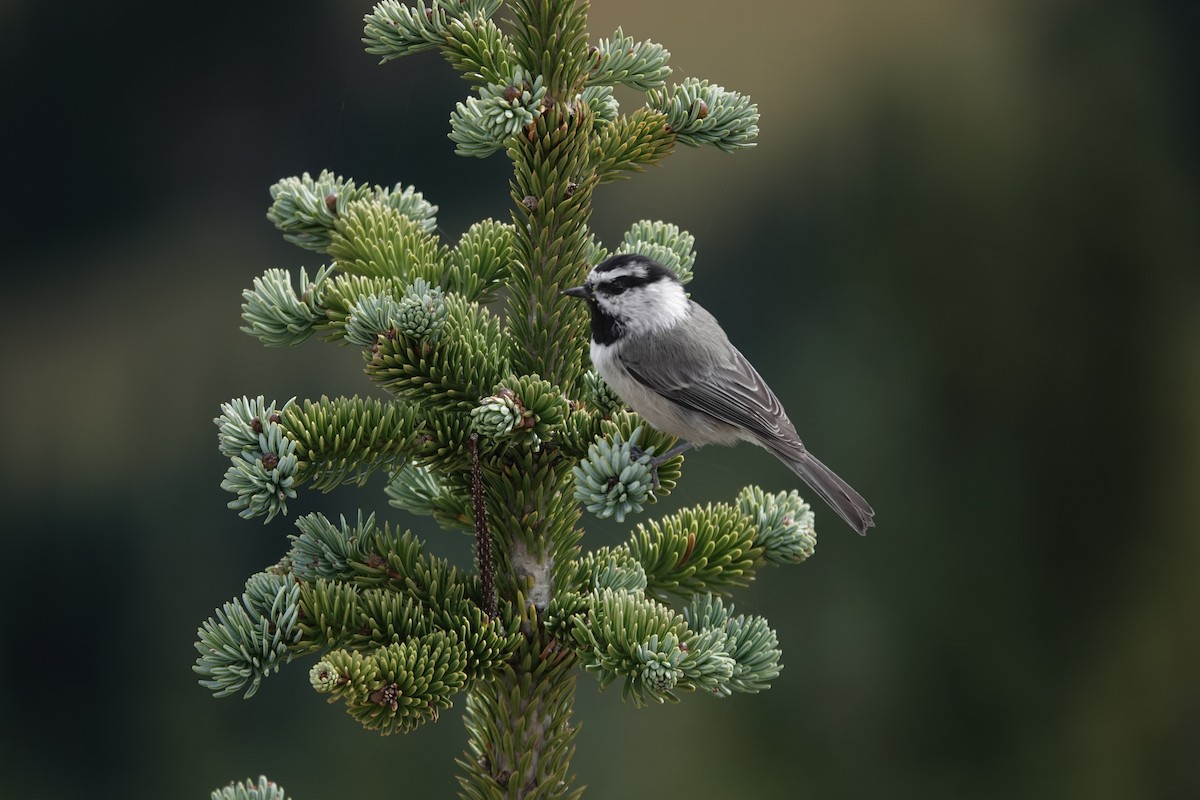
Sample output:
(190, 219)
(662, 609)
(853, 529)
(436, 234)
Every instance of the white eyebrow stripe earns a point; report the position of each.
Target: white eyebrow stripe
(623, 271)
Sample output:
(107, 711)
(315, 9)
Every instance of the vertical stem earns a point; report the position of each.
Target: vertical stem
(552, 184)
(553, 179)
(521, 738)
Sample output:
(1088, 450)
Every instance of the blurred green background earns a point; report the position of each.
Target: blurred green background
(964, 253)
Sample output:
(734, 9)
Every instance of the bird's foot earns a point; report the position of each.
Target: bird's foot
(637, 453)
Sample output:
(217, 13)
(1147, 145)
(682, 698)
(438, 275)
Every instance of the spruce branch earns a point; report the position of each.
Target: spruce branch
(594, 251)
(621, 60)
(497, 416)
(699, 112)
(394, 689)
(754, 648)
(276, 314)
(339, 615)
(306, 209)
(376, 240)
(332, 615)
(603, 105)
(550, 39)
(632, 143)
(481, 261)
(345, 292)
(484, 124)
(263, 479)
(620, 634)
(491, 640)
(248, 790)
(533, 521)
(366, 586)
(397, 561)
(616, 476)
(243, 420)
(611, 568)
(786, 524)
(386, 617)
(393, 30)
(553, 191)
(323, 551)
(479, 50)
(696, 550)
(371, 316)
(525, 410)
(419, 314)
(268, 593)
(600, 395)
(521, 738)
(446, 454)
(470, 357)
(649, 647)
(344, 440)
(585, 424)
(241, 646)
(749, 641)
(416, 489)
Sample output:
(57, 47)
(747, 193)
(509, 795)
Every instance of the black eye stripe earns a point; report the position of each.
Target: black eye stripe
(621, 284)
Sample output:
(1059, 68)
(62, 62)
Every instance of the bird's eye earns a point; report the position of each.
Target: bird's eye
(621, 284)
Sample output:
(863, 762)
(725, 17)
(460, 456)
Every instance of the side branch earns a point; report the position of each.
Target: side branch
(632, 143)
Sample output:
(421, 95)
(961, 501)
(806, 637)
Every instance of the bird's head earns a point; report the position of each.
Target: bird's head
(631, 295)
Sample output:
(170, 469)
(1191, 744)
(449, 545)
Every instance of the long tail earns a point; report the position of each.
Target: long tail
(840, 496)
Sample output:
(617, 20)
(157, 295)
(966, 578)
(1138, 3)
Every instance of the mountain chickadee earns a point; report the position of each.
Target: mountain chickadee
(672, 363)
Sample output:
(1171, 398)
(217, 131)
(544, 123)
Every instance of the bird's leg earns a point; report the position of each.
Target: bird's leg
(658, 461)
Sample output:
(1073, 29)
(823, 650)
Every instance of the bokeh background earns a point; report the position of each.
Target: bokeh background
(964, 253)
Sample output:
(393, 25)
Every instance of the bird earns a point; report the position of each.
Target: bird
(671, 362)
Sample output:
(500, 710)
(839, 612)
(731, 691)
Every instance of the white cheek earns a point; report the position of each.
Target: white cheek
(655, 307)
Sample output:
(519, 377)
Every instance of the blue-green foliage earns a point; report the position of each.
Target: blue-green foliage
(488, 420)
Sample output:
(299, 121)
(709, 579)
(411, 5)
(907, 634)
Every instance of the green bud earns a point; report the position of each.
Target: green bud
(610, 482)
(422, 312)
(324, 677)
(497, 416)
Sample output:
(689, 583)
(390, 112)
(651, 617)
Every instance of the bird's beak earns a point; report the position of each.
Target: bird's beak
(583, 292)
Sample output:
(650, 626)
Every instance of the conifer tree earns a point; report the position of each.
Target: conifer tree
(490, 424)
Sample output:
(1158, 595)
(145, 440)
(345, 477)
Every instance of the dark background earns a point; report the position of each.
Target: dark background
(964, 253)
